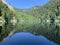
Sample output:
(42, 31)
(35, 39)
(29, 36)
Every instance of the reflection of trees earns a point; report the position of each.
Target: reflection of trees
(46, 16)
(6, 14)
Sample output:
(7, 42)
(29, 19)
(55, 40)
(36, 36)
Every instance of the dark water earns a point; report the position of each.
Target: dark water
(25, 38)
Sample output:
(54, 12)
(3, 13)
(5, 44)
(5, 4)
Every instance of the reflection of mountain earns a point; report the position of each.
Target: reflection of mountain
(26, 38)
(5, 16)
(39, 20)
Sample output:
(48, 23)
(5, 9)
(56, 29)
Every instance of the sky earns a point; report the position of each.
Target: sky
(23, 4)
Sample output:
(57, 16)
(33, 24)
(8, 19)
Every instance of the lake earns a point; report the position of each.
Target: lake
(26, 38)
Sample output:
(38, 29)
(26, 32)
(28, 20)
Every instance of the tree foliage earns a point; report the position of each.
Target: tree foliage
(39, 20)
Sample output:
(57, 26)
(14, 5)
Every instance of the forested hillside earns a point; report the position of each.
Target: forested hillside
(47, 20)
(39, 20)
(5, 16)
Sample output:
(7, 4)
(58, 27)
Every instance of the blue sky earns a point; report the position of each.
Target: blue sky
(26, 3)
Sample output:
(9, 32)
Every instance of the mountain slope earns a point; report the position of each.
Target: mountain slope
(9, 6)
(39, 20)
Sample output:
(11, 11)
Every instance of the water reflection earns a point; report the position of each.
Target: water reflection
(25, 38)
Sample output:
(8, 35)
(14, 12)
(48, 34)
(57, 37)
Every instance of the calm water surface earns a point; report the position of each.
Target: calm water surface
(25, 38)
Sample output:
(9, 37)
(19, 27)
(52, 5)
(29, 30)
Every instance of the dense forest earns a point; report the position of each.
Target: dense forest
(39, 20)
(5, 16)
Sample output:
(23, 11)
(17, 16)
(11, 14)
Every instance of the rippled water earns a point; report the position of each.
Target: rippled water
(25, 38)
